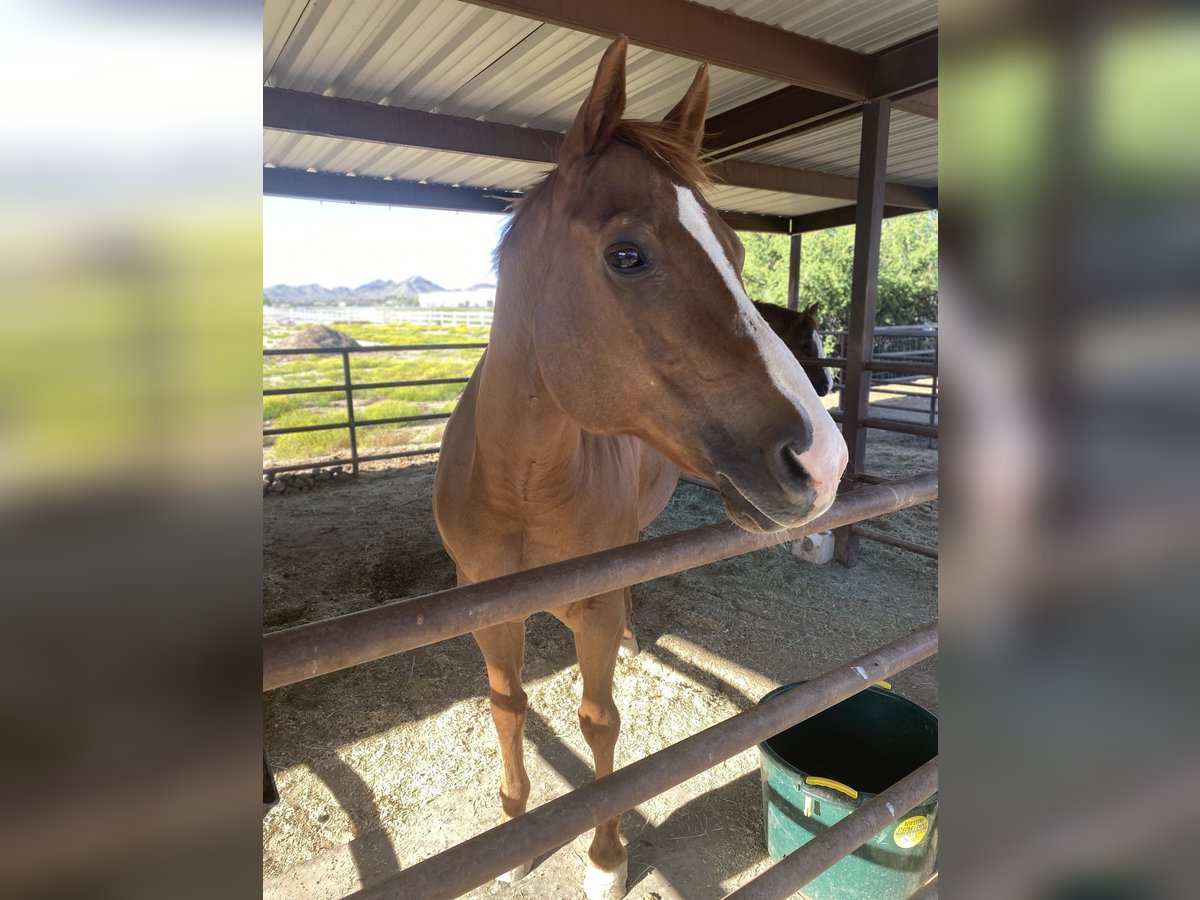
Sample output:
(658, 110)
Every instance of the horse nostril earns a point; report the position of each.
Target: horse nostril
(792, 464)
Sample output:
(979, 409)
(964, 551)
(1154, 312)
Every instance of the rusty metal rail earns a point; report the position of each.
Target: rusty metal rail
(306, 651)
(476, 861)
(797, 869)
(890, 540)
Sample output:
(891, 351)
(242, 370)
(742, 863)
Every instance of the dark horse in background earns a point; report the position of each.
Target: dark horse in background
(799, 333)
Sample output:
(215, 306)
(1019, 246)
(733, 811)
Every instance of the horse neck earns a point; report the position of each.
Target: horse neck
(523, 438)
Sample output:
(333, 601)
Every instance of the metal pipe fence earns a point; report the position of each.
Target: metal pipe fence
(453, 872)
(307, 651)
(348, 388)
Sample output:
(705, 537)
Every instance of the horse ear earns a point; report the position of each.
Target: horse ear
(601, 112)
(688, 114)
(811, 312)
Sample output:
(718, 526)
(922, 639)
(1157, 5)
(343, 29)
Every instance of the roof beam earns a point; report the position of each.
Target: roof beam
(760, 121)
(904, 66)
(760, 176)
(351, 189)
(902, 69)
(304, 113)
(739, 221)
(687, 29)
(922, 103)
(836, 218)
(327, 186)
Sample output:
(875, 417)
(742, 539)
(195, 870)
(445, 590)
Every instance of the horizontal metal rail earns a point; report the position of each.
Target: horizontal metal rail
(901, 427)
(431, 450)
(903, 368)
(396, 420)
(306, 651)
(366, 386)
(503, 848)
(357, 423)
(385, 348)
(881, 537)
(797, 869)
(347, 388)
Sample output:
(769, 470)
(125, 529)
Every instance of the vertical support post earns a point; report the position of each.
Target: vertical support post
(794, 272)
(933, 390)
(350, 413)
(860, 340)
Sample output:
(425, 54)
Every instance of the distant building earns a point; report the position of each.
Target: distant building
(482, 297)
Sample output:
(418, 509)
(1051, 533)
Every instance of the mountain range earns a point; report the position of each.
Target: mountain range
(365, 293)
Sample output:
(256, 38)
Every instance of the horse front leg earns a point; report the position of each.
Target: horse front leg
(503, 649)
(598, 625)
(629, 642)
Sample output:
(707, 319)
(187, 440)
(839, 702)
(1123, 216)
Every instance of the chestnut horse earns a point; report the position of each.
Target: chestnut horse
(798, 331)
(623, 349)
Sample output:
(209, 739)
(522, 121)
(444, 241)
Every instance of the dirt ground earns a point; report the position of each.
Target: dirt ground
(383, 765)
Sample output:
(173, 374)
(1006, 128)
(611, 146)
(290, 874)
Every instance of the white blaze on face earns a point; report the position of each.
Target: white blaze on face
(826, 458)
(820, 345)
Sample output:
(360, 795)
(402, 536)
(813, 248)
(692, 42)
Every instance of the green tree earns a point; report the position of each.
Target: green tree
(908, 276)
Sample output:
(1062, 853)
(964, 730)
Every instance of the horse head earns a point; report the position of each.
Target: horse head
(800, 333)
(642, 325)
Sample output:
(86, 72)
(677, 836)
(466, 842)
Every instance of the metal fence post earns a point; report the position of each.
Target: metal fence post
(350, 413)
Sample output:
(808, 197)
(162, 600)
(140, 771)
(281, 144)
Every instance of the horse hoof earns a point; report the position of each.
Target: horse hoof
(513, 875)
(601, 885)
(629, 647)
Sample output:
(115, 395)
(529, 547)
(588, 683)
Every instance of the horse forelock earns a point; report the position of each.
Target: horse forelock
(662, 141)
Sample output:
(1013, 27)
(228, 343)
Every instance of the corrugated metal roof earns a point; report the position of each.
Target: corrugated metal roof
(770, 203)
(455, 58)
(459, 59)
(865, 26)
(336, 155)
(912, 149)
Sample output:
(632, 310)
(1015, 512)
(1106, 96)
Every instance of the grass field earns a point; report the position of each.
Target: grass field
(326, 408)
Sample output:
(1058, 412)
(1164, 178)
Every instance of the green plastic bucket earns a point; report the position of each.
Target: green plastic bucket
(818, 772)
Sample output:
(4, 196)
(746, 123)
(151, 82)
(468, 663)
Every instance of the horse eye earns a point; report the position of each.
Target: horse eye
(625, 258)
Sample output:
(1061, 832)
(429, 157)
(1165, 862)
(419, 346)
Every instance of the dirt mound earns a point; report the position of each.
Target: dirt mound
(318, 336)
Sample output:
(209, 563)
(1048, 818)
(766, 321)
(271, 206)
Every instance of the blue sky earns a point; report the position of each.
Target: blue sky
(307, 241)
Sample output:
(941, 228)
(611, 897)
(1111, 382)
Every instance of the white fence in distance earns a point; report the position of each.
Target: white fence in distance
(375, 315)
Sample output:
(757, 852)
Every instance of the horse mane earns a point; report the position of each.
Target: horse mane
(661, 140)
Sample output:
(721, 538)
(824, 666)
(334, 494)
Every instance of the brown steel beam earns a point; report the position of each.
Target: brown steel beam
(906, 70)
(302, 113)
(793, 872)
(306, 651)
(781, 114)
(700, 32)
(327, 186)
(909, 64)
(454, 872)
(763, 177)
(740, 221)
(843, 215)
(922, 103)
(856, 378)
(305, 113)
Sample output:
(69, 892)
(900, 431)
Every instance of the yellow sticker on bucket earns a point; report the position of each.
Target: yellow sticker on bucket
(911, 831)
